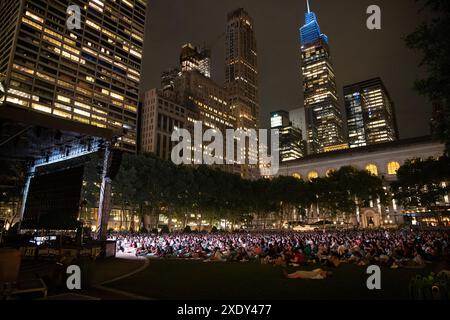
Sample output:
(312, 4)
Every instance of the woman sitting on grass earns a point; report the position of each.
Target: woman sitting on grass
(299, 257)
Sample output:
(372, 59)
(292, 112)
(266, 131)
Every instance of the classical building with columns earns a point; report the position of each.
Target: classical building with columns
(382, 160)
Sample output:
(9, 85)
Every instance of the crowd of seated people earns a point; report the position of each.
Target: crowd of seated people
(395, 248)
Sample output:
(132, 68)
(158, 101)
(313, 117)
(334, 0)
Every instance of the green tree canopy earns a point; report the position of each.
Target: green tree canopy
(432, 39)
(419, 182)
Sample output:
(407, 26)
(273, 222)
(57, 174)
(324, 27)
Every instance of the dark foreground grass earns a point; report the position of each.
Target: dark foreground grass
(179, 279)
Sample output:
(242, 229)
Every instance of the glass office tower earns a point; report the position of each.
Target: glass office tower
(323, 116)
(88, 75)
(291, 143)
(370, 113)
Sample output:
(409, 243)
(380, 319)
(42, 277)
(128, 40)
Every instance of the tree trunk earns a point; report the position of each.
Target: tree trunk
(199, 224)
(265, 220)
(281, 217)
(185, 219)
(132, 222)
(144, 228)
(157, 219)
(126, 221)
(121, 216)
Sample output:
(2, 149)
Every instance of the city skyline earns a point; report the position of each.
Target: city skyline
(280, 85)
(249, 140)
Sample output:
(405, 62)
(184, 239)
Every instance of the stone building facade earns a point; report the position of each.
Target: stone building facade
(382, 160)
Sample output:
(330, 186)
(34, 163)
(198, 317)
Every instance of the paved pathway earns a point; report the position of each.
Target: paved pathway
(106, 271)
(100, 286)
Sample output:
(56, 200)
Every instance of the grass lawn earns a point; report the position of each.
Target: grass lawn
(180, 279)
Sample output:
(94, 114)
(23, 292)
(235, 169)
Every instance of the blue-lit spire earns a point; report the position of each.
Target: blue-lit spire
(310, 32)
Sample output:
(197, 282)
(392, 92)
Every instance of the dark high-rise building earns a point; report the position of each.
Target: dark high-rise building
(297, 117)
(325, 129)
(89, 75)
(370, 113)
(194, 58)
(241, 69)
(291, 143)
(168, 78)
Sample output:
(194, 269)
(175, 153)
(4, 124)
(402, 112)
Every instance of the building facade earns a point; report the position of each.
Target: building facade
(89, 75)
(241, 69)
(370, 113)
(325, 128)
(297, 117)
(194, 58)
(382, 160)
(291, 143)
(209, 99)
(160, 115)
(195, 98)
(168, 78)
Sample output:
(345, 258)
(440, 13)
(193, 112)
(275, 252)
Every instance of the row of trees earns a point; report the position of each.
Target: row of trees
(151, 186)
(422, 183)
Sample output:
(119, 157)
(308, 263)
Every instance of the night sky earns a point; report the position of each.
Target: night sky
(358, 53)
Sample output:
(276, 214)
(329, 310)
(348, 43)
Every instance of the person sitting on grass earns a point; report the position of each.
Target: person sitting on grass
(216, 256)
(242, 255)
(280, 261)
(333, 261)
(257, 251)
(298, 258)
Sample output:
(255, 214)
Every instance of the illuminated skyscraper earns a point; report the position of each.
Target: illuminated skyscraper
(89, 75)
(193, 58)
(204, 96)
(291, 143)
(370, 113)
(323, 116)
(241, 75)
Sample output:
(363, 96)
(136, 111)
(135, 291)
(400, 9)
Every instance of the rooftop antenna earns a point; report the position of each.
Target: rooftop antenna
(307, 4)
